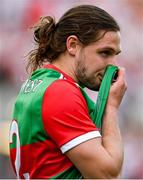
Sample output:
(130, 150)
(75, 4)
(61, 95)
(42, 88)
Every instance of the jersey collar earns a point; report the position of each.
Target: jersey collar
(51, 66)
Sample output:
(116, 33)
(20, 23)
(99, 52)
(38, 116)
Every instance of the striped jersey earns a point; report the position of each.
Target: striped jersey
(52, 114)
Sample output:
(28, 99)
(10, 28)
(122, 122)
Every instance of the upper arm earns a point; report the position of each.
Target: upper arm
(92, 160)
(65, 115)
(67, 121)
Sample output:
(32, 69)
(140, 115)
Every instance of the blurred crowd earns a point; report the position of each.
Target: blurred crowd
(16, 40)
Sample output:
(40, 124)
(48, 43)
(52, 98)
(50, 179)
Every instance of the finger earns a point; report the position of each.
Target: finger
(122, 76)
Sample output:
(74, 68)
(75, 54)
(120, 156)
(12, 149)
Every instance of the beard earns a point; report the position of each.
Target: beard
(85, 79)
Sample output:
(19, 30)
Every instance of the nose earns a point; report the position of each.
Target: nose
(112, 61)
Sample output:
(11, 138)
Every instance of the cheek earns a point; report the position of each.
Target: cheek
(94, 65)
(94, 62)
(89, 62)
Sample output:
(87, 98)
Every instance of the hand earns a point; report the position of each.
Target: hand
(117, 90)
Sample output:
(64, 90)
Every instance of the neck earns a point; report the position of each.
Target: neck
(66, 64)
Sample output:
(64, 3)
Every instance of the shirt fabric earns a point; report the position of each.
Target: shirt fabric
(64, 123)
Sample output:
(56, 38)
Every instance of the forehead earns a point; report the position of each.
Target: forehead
(110, 39)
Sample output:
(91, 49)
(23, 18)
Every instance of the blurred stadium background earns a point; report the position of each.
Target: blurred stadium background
(16, 16)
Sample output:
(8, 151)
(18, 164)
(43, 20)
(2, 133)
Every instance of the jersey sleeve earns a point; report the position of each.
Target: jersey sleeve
(65, 115)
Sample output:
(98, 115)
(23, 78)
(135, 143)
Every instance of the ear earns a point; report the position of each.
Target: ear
(72, 44)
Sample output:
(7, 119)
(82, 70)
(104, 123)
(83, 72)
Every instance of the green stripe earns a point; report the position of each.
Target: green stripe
(28, 108)
(103, 94)
(71, 173)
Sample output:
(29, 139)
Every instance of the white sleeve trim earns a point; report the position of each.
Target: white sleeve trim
(80, 139)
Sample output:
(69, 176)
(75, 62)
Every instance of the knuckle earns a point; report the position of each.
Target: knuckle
(123, 85)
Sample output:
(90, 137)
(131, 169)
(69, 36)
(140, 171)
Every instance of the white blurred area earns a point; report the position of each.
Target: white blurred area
(16, 40)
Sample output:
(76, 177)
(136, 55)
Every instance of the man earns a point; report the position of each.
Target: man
(55, 135)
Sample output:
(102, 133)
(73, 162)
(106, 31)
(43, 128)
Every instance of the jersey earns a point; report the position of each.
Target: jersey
(52, 115)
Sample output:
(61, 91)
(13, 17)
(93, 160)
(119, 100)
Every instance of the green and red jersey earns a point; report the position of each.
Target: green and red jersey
(52, 115)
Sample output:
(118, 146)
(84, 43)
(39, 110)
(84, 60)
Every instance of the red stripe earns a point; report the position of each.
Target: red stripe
(41, 160)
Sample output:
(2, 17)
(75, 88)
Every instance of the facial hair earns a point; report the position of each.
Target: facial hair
(84, 79)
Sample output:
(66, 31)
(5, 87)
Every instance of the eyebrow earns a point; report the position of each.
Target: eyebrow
(110, 49)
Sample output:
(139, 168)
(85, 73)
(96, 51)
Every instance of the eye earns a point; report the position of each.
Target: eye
(106, 53)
